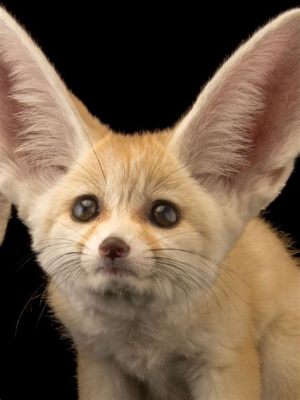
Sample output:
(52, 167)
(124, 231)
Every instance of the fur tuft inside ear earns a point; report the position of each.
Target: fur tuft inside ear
(243, 133)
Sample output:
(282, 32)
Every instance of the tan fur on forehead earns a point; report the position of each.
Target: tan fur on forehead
(129, 148)
(142, 156)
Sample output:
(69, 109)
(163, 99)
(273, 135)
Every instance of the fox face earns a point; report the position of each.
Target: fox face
(130, 221)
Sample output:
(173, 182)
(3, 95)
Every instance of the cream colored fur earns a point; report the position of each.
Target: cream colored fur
(213, 310)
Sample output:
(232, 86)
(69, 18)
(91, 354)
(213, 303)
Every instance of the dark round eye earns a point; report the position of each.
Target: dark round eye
(164, 214)
(85, 208)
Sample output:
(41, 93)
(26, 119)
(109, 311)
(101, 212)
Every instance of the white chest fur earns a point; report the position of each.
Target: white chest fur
(156, 348)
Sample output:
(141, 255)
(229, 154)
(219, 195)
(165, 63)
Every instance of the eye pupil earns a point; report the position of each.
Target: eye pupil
(164, 215)
(85, 208)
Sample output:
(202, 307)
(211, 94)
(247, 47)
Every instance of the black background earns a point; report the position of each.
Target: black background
(136, 68)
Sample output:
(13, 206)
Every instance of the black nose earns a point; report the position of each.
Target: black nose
(113, 247)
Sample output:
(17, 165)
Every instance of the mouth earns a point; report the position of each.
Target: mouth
(117, 268)
(116, 271)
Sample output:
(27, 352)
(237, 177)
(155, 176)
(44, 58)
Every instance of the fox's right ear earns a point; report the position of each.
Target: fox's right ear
(40, 132)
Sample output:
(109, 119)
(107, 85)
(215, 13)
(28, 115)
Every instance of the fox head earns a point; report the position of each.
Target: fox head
(149, 216)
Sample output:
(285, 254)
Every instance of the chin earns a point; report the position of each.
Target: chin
(117, 293)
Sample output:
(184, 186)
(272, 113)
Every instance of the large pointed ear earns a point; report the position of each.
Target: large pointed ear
(242, 135)
(40, 132)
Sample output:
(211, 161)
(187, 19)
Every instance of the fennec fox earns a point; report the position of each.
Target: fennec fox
(158, 268)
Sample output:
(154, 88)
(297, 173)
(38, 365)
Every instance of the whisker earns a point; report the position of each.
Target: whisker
(25, 260)
(31, 298)
(43, 309)
(157, 162)
(179, 273)
(172, 275)
(88, 176)
(220, 265)
(190, 275)
(167, 237)
(221, 282)
(87, 138)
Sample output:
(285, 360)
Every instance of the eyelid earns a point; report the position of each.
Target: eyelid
(165, 201)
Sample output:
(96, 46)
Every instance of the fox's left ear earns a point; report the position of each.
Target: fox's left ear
(242, 135)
